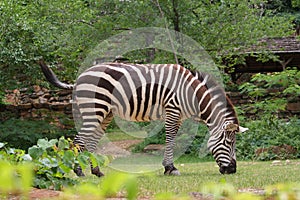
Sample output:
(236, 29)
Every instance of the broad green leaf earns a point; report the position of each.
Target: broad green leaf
(45, 144)
(83, 160)
(26, 176)
(116, 181)
(63, 144)
(2, 145)
(35, 152)
(69, 158)
(7, 176)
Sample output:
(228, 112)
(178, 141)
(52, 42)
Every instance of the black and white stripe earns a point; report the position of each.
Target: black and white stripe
(155, 92)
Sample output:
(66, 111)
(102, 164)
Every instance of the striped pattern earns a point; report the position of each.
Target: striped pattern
(156, 92)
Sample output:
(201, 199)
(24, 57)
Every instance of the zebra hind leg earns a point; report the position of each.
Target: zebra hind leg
(91, 147)
(88, 138)
(96, 170)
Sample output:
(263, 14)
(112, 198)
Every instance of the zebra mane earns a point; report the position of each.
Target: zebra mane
(211, 82)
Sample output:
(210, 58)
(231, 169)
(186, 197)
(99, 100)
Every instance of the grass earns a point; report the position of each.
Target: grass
(194, 176)
(117, 135)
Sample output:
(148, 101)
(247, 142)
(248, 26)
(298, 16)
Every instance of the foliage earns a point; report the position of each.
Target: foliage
(63, 32)
(52, 161)
(271, 92)
(267, 132)
(22, 134)
(15, 179)
(109, 187)
(224, 190)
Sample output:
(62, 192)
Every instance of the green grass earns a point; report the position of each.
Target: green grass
(117, 135)
(195, 175)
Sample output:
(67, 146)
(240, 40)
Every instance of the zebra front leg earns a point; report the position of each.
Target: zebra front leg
(172, 125)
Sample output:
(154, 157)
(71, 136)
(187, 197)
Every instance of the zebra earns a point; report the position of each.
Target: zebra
(145, 92)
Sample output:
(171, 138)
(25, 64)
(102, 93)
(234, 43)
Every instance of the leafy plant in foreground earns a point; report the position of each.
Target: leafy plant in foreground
(52, 161)
(55, 158)
(15, 179)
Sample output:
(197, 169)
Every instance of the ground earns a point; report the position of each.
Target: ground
(123, 147)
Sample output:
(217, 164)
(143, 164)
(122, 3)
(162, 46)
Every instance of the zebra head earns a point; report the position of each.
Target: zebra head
(222, 145)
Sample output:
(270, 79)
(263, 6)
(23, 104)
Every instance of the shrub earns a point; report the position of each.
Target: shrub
(22, 134)
(51, 162)
(265, 133)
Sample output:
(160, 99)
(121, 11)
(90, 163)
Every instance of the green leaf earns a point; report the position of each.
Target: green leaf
(63, 144)
(45, 144)
(2, 145)
(69, 158)
(83, 160)
(35, 152)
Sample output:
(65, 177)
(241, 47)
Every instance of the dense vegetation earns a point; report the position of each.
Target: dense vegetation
(63, 33)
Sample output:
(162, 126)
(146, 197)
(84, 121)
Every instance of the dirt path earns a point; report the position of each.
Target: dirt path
(117, 148)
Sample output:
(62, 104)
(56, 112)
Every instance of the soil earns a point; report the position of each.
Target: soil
(117, 148)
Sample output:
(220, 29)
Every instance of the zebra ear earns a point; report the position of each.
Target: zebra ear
(231, 127)
(242, 129)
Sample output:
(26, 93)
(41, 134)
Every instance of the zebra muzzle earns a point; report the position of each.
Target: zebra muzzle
(230, 169)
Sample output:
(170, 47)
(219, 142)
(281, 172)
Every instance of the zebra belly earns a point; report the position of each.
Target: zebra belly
(153, 113)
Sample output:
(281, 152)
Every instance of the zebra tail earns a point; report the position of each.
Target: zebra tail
(51, 77)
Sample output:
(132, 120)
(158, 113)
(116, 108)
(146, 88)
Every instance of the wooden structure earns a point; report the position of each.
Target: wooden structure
(287, 50)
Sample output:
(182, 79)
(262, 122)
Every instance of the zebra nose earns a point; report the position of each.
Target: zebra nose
(230, 169)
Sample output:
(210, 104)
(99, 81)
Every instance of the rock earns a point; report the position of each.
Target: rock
(293, 106)
(52, 99)
(276, 163)
(25, 106)
(287, 150)
(33, 96)
(23, 90)
(58, 106)
(11, 99)
(36, 88)
(40, 93)
(64, 98)
(64, 92)
(153, 147)
(46, 95)
(42, 100)
(25, 99)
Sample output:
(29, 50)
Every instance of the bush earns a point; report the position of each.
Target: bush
(265, 133)
(22, 134)
(51, 161)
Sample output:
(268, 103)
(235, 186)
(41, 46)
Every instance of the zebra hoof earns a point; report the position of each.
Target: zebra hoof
(96, 171)
(175, 173)
(171, 170)
(78, 171)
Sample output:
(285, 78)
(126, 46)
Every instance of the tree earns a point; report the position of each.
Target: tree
(62, 32)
